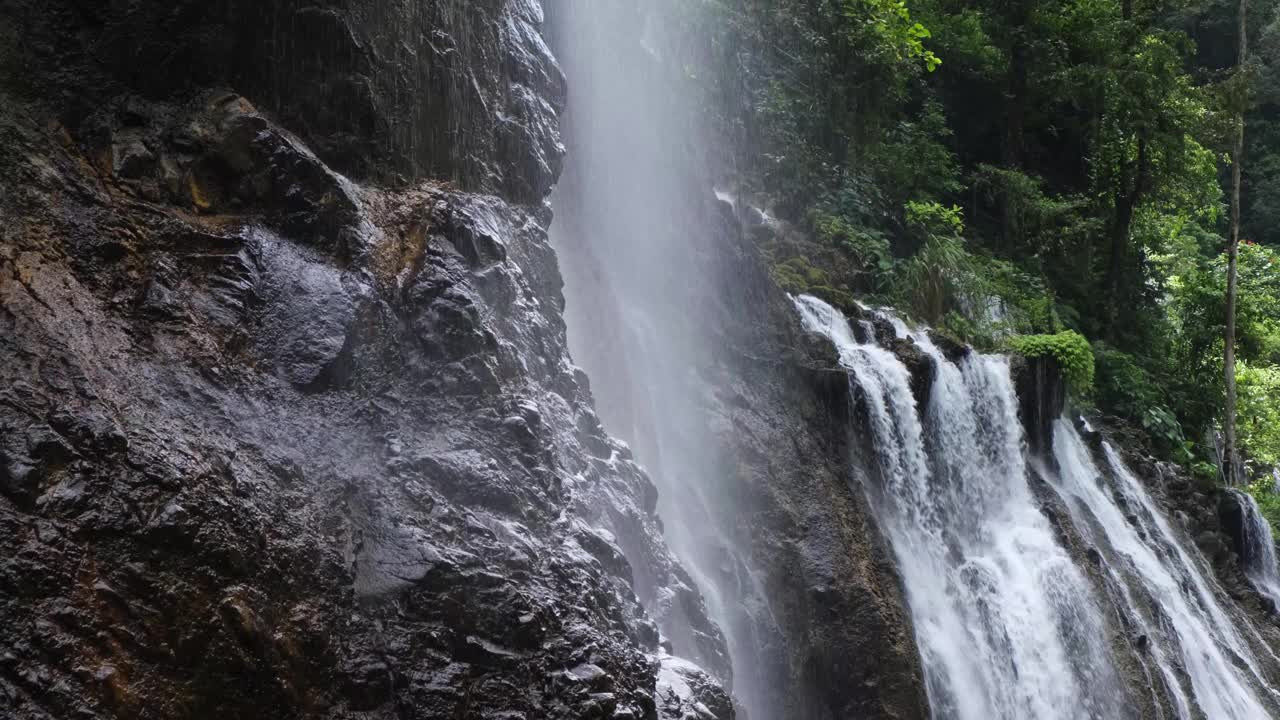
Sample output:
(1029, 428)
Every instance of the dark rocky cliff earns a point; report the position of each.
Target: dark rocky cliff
(277, 444)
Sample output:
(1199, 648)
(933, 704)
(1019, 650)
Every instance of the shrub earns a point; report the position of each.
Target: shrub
(1259, 411)
(1164, 430)
(1124, 387)
(866, 248)
(1027, 301)
(1068, 347)
(1000, 300)
(941, 269)
(914, 161)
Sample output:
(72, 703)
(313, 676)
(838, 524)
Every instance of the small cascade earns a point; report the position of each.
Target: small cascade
(1169, 595)
(1259, 556)
(1008, 621)
(1004, 620)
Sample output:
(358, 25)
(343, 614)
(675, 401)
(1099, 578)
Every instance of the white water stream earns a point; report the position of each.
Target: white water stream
(1260, 562)
(1008, 625)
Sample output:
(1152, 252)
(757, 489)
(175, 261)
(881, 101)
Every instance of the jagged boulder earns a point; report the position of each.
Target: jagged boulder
(923, 372)
(686, 692)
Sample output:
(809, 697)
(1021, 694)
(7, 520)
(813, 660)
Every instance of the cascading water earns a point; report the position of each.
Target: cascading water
(1004, 621)
(1259, 558)
(629, 211)
(1166, 591)
(1007, 623)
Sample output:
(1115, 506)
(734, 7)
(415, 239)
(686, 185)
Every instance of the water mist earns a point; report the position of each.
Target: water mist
(633, 214)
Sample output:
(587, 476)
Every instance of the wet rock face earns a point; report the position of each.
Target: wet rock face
(685, 692)
(274, 443)
(464, 90)
(923, 372)
(1042, 395)
(1233, 520)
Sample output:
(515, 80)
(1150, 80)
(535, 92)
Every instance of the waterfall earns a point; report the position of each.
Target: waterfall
(630, 208)
(1008, 623)
(1180, 608)
(1004, 620)
(1259, 557)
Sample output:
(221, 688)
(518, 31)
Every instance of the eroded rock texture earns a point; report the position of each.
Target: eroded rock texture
(277, 444)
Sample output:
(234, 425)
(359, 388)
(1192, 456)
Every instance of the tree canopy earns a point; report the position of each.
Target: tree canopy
(1030, 167)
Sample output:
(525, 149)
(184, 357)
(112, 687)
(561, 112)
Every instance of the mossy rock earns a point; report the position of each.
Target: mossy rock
(798, 277)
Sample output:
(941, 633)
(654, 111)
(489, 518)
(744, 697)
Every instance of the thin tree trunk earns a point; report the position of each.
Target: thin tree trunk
(1134, 182)
(1230, 464)
(1015, 115)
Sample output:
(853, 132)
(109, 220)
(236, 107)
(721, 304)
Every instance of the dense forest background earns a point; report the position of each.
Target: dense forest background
(1048, 176)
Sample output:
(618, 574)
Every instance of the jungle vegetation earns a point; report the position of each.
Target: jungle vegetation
(1021, 173)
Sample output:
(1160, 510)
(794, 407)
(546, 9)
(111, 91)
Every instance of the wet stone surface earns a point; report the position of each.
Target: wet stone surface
(275, 443)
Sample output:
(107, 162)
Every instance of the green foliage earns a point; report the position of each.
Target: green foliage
(1197, 318)
(867, 248)
(974, 296)
(1123, 387)
(998, 300)
(1062, 171)
(1034, 221)
(935, 219)
(890, 22)
(822, 80)
(1258, 303)
(935, 275)
(1028, 304)
(964, 328)
(1069, 348)
(913, 160)
(1258, 411)
(1163, 428)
